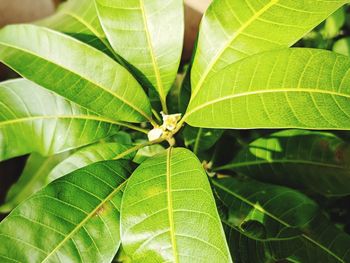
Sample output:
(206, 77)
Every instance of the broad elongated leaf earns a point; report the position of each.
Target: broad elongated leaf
(148, 35)
(168, 212)
(33, 119)
(74, 70)
(284, 213)
(73, 219)
(300, 88)
(32, 179)
(88, 155)
(233, 30)
(201, 139)
(78, 18)
(309, 160)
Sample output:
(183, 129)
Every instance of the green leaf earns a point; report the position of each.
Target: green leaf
(284, 213)
(78, 18)
(73, 219)
(74, 70)
(88, 155)
(148, 35)
(287, 88)
(201, 139)
(32, 179)
(168, 212)
(314, 161)
(342, 46)
(231, 31)
(33, 119)
(334, 23)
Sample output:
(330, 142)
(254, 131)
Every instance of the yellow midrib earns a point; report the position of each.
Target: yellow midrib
(47, 117)
(170, 206)
(151, 50)
(108, 198)
(227, 45)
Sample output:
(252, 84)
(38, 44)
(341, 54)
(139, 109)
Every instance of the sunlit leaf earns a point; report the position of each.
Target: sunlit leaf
(287, 88)
(168, 212)
(33, 119)
(73, 219)
(74, 70)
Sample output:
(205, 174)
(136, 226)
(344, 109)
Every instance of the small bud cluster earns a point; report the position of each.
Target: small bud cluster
(168, 126)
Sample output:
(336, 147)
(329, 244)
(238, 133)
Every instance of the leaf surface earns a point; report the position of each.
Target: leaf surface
(148, 35)
(233, 30)
(287, 88)
(73, 219)
(168, 212)
(74, 70)
(88, 155)
(78, 18)
(32, 179)
(33, 119)
(284, 213)
(308, 160)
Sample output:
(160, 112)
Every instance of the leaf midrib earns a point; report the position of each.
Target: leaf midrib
(33, 118)
(77, 74)
(152, 53)
(262, 210)
(81, 224)
(170, 205)
(292, 161)
(227, 45)
(259, 92)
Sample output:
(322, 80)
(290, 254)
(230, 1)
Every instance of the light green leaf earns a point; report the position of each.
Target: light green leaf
(168, 212)
(314, 161)
(88, 155)
(148, 35)
(74, 70)
(233, 30)
(342, 46)
(78, 18)
(32, 179)
(287, 88)
(284, 213)
(33, 119)
(73, 219)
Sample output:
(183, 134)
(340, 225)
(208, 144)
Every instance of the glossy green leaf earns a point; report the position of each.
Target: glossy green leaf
(78, 18)
(284, 213)
(33, 119)
(200, 139)
(74, 70)
(168, 213)
(73, 219)
(334, 23)
(342, 46)
(314, 161)
(88, 155)
(148, 35)
(233, 30)
(287, 88)
(32, 179)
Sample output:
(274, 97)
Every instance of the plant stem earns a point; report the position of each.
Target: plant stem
(196, 143)
(138, 147)
(164, 106)
(155, 113)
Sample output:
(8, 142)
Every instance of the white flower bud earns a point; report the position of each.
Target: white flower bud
(155, 134)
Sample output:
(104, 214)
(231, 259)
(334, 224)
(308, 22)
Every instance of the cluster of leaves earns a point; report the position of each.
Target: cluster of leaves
(95, 76)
